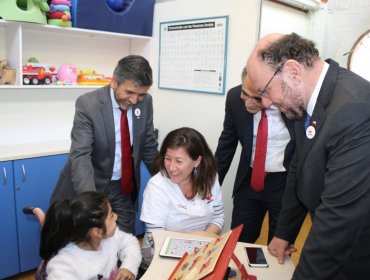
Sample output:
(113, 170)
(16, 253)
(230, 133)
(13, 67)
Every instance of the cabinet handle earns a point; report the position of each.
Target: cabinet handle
(5, 176)
(24, 172)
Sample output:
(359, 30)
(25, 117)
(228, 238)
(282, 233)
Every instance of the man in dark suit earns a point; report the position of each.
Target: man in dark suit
(94, 161)
(242, 116)
(329, 176)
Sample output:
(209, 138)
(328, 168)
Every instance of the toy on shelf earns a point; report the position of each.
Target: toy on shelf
(24, 10)
(93, 79)
(90, 77)
(67, 74)
(38, 73)
(60, 13)
(35, 73)
(7, 75)
(86, 71)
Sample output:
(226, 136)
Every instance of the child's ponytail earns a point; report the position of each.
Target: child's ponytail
(57, 230)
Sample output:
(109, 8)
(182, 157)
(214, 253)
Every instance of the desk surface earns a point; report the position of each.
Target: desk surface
(161, 267)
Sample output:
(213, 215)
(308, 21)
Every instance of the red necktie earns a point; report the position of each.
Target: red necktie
(127, 182)
(258, 171)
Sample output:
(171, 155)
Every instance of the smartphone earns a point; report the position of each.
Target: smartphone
(256, 257)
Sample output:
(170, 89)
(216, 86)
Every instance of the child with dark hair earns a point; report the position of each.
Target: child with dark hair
(80, 240)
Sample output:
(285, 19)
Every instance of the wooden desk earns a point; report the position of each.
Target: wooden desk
(161, 267)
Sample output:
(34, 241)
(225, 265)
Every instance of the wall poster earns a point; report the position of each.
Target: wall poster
(192, 55)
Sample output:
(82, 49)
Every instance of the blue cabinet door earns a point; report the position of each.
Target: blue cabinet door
(34, 181)
(9, 264)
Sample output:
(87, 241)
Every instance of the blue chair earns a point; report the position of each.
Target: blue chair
(144, 178)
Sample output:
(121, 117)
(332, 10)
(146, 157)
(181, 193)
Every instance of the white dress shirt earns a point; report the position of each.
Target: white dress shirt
(277, 139)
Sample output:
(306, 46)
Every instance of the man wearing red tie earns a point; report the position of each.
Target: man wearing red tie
(264, 135)
(112, 132)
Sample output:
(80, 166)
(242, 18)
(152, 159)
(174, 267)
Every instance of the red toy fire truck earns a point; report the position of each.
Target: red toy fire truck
(38, 73)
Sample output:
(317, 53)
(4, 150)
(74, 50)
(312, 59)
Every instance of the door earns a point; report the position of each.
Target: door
(9, 263)
(35, 180)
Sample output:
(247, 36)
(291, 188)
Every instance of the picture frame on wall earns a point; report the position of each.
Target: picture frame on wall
(193, 55)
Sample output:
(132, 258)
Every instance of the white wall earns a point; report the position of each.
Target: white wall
(34, 115)
(282, 19)
(338, 25)
(204, 112)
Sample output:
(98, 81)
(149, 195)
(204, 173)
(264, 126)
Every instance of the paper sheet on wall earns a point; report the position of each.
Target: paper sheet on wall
(193, 55)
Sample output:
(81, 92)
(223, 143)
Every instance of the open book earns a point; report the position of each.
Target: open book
(211, 260)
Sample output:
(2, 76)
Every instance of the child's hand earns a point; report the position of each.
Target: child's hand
(124, 274)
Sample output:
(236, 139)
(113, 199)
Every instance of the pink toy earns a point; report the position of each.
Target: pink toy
(67, 74)
(61, 2)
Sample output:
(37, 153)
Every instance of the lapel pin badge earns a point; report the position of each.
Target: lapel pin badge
(310, 132)
(137, 113)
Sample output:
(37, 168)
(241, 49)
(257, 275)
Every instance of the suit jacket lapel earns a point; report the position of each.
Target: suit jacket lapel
(317, 120)
(137, 110)
(248, 134)
(107, 114)
(289, 124)
(319, 113)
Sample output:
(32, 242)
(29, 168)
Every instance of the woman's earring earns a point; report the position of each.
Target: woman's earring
(196, 171)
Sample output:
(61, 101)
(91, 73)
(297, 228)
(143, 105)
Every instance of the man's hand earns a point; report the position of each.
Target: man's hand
(280, 248)
(124, 274)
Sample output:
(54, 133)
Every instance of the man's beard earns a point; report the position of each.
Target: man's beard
(296, 109)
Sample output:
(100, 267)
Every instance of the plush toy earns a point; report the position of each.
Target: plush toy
(59, 8)
(67, 74)
(60, 13)
(24, 10)
(43, 5)
(7, 76)
(62, 2)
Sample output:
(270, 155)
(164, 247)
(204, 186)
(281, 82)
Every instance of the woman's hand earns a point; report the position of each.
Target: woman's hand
(211, 231)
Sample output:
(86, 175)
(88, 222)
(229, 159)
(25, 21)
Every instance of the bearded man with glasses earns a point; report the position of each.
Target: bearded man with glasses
(329, 176)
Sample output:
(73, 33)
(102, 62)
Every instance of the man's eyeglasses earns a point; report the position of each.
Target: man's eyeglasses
(263, 92)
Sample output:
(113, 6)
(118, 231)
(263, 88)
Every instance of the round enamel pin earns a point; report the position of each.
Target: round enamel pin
(310, 132)
(137, 112)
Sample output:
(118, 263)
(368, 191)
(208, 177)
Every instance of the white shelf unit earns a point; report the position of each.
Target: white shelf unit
(44, 113)
(54, 45)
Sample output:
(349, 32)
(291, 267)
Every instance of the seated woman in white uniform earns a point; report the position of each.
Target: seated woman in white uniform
(184, 195)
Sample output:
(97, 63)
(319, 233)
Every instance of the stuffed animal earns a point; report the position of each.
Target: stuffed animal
(62, 2)
(67, 74)
(60, 13)
(43, 5)
(24, 10)
(7, 76)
